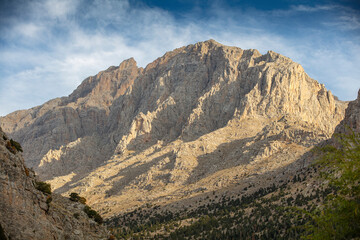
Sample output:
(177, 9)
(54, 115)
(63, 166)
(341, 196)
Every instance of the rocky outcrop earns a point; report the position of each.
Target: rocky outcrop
(205, 116)
(27, 213)
(351, 121)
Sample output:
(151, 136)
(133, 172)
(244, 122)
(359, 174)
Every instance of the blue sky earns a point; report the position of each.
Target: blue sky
(48, 47)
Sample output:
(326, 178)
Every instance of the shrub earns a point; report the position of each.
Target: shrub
(87, 209)
(93, 214)
(76, 215)
(98, 218)
(90, 212)
(76, 198)
(11, 148)
(16, 145)
(43, 186)
(82, 200)
(48, 200)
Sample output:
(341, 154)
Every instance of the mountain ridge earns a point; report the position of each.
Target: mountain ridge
(204, 116)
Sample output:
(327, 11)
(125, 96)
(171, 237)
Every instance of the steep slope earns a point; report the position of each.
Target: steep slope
(201, 118)
(284, 210)
(27, 213)
(47, 129)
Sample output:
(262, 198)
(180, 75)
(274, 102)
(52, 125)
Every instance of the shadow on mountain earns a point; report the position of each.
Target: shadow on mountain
(190, 87)
(136, 174)
(196, 101)
(240, 152)
(55, 130)
(246, 185)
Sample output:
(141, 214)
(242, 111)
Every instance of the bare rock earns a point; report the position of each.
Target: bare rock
(351, 121)
(204, 116)
(27, 213)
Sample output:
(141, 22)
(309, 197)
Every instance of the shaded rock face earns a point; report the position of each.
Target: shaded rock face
(351, 121)
(202, 116)
(27, 213)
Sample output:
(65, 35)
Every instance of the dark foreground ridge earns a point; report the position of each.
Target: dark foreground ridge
(28, 208)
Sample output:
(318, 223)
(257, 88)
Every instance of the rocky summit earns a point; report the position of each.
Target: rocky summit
(202, 118)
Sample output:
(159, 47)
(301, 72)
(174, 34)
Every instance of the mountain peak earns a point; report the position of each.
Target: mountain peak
(107, 85)
(203, 115)
(210, 42)
(128, 62)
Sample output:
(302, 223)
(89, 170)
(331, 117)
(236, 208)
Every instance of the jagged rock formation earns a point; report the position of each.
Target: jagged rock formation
(200, 118)
(27, 213)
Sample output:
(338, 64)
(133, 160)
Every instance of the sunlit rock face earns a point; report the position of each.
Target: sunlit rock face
(205, 116)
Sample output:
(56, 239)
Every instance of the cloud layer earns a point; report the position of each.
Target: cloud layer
(48, 47)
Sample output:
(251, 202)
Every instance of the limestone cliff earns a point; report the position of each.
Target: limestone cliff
(27, 213)
(200, 118)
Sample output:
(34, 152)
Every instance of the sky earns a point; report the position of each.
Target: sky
(48, 47)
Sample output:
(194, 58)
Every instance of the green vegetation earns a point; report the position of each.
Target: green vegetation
(93, 214)
(305, 206)
(43, 186)
(48, 199)
(90, 212)
(10, 148)
(76, 198)
(16, 145)
(266, 214)
(13, 146)
(339, 217)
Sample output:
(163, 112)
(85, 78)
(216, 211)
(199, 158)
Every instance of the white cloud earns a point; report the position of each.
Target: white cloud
(347, 22)
(304, 8)
(60, 9)
(28, 30)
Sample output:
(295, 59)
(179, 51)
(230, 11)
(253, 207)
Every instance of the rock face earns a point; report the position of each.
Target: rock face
(50, 130)
(27, 213)
(200, 118)
(351, 121)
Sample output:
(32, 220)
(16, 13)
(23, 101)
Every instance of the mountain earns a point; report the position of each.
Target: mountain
(28, 210)
(319, 201)
(202, 118)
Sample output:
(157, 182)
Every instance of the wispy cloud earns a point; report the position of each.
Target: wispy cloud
(54, 45)
(304, 8)
(346, 22)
